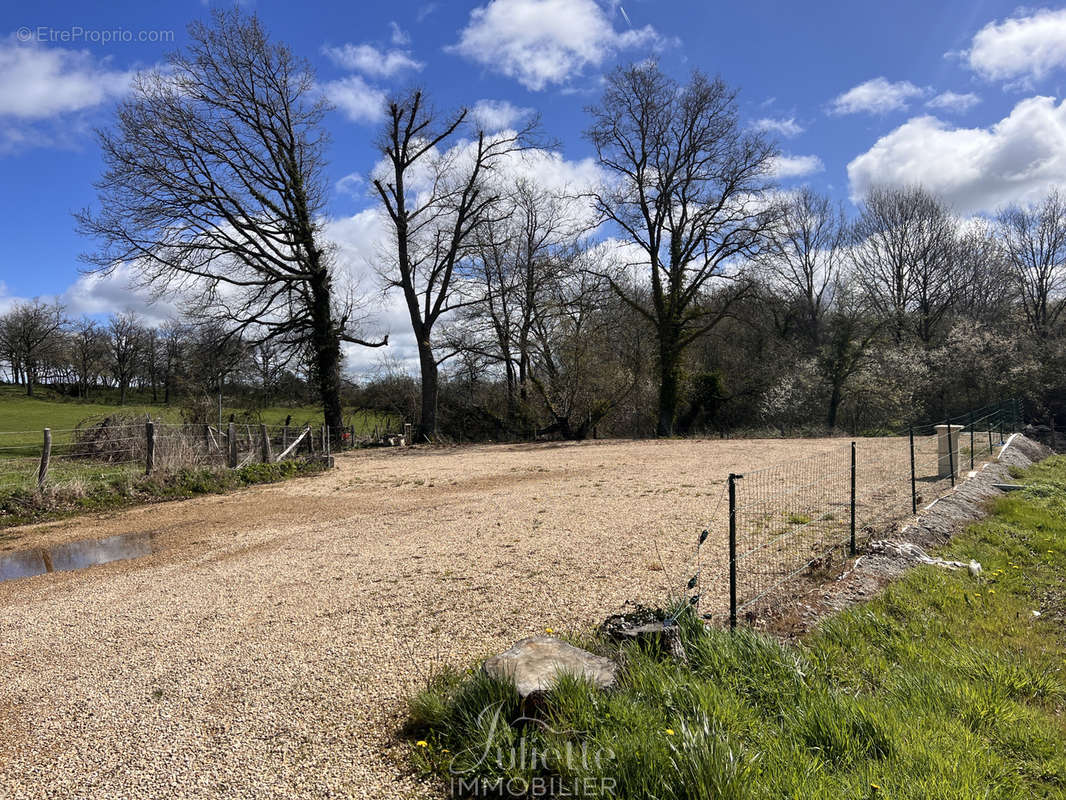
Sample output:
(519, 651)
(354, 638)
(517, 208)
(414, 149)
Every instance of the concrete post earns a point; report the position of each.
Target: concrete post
(947, 454)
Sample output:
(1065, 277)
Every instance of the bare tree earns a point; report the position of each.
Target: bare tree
(214, 186)
(584, 363)
(125, 345)
(849, 335)
(904, 248)
(174, 337)
(518, 260)
(988, 294)
(689, 189)
(436, 192)
(1035, 244)
(804, 255)
(88, 350)
(29, 334)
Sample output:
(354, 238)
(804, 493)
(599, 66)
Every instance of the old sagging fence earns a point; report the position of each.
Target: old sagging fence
(109, 449)
(803, 517)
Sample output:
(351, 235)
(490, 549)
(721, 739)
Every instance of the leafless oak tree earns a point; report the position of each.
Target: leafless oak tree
(436, 191)
(214, 188)
(125, 344)
(518, 261)
(87, 351)
(688, 188)
(904, 248)
(28, 334)
(803, 258)
(1035, 244)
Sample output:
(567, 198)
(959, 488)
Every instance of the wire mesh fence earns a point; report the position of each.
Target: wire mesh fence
(806, 516)
(106, 450)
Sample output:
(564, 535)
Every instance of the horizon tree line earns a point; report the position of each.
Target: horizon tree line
(688, 292)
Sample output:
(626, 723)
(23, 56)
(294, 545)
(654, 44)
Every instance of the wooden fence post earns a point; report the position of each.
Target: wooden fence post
(268, 456)
(149, 450)
(46, 455)
(231, 443)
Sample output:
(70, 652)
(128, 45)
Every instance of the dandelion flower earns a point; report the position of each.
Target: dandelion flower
(549, 630)
(669, 731)
(421, 743)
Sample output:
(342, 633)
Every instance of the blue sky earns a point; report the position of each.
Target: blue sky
(962, 96)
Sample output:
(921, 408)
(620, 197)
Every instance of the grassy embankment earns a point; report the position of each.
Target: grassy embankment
(944, 686)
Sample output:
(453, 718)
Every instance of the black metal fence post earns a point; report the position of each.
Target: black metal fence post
(951, 455)
(149, 447)
(733, 550)
(914, 478)
(971, 442)
(852, 549)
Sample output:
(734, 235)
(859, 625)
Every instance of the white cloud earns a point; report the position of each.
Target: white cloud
(782, 127)
(954, 101)
(544, 42)
(496, 115)
(1022, 48)
(795, 166)
(359, 101)
(876, 96)
(400, 37)
(975, 169)
(350, 184)
(369, 60)
(7, 300)
(95, 294)
(39, 82)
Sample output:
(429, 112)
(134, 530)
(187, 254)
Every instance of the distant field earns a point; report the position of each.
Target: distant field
(23, 419)
(21, 413)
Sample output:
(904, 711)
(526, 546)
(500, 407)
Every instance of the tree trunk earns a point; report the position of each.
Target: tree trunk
(834, 407)
(326, 342)
(428, 363)
(669, 385)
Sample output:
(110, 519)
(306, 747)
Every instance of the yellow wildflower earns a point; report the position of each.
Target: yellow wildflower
(421, 743)
(669, 732)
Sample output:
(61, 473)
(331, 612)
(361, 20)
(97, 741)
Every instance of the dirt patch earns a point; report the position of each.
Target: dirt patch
(265, 647)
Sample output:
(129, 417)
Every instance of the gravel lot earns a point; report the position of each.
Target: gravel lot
(265, 648)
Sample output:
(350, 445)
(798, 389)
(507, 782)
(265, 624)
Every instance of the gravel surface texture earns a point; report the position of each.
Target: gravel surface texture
(266, 647)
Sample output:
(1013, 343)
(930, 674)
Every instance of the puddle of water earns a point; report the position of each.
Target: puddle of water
(22, 564)
(74, 555)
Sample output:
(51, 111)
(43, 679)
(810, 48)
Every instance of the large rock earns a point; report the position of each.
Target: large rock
(534, 664)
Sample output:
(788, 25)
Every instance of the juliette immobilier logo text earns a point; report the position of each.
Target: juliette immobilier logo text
(481, 774)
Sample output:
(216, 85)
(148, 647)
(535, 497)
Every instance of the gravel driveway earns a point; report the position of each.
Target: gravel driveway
(265, 648)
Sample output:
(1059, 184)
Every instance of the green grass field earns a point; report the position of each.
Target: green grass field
(945, 686)
(49, 410)
(23, 420)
